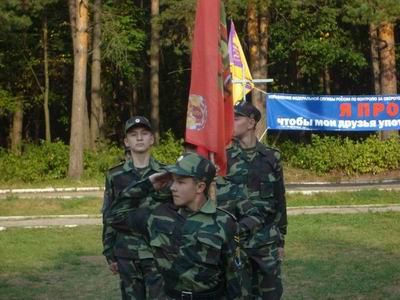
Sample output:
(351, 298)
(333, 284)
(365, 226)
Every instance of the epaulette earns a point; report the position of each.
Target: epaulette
(263, 148)
(227, 212)
(273, 149)
(120, 164)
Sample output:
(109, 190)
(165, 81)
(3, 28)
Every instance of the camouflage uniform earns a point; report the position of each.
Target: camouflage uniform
(258, 173)
(139, 276)
(195, 251)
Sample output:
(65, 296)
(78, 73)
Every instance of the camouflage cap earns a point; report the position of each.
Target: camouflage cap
(244, 108)
(193, 165)
(137, 121)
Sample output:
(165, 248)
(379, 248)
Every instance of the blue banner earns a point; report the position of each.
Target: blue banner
(333, 113)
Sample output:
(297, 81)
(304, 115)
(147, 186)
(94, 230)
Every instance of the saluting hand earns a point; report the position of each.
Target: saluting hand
(281, 253)
(160, 180)
(113, 268)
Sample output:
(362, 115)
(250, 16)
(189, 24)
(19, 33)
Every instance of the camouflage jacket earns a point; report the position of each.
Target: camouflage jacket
(118, 179)
(232, 198)
(258, 173)
(194, 251)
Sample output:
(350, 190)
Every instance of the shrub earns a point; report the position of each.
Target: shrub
(168, 149)
(326, 154)
(46, 161)
(49, 161)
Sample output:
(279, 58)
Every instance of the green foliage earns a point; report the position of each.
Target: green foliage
(326, 154)
(95, 164)
(49, 161)
(177, 21)
(7, 102)
(124, 37)
(318, 43)
(366, 12)
(169, 148)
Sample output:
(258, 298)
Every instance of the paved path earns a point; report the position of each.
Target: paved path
(76, 220)
(303, 188)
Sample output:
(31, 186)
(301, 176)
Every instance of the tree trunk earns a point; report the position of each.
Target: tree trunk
(257, 29)
(86, 125)
(96, 114)
(252, 32)
(154, 69)
(72, 20)
(75, 169)
(16, 132)
(373, 34)
(327, 81)
(134, 103)
(387, 65)
(46, 82)
(263, 60)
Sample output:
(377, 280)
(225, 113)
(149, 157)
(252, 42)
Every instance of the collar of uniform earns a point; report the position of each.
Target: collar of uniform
(235, 148)
(154, 164)
(128, 165)
(209, 207)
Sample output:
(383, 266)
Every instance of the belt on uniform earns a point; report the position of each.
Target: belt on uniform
(215, 293)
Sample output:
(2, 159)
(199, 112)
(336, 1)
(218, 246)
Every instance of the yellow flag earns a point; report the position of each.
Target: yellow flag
(238, 67)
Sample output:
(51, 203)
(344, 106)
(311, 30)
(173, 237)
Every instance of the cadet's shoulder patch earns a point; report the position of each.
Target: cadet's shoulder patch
(228, 213)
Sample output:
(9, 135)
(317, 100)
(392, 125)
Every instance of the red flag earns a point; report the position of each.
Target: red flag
(209, 122)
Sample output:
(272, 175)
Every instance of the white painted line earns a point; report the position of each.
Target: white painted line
(362, 206)
(19, 218)
(348, 190)
(71, 189)
(21, 191)
(87, 189)
(52, 189)
(35, 227)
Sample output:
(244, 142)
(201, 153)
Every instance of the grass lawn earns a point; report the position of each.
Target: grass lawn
(291, 175)
(344, 198)
(327, 257)
(13, 206)
(66, 182)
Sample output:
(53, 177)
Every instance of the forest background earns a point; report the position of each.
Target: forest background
(72, 72)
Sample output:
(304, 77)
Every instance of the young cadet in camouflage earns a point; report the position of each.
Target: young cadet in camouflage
(257, 170)
(129, 255)
(193, 242)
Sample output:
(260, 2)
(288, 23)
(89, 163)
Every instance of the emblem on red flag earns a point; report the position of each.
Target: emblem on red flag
(197, 112)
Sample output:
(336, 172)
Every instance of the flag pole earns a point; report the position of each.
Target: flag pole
(212, 192)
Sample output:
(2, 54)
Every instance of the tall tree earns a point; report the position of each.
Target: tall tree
(96, 112)
(79, 13)
(155, 68)
(381, 16)
(16, 130)
(46, 79)
(375, 57)
(257, 29)
(387, 64)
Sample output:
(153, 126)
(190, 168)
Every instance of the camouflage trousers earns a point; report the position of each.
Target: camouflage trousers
(140, 280)
(262, 273)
